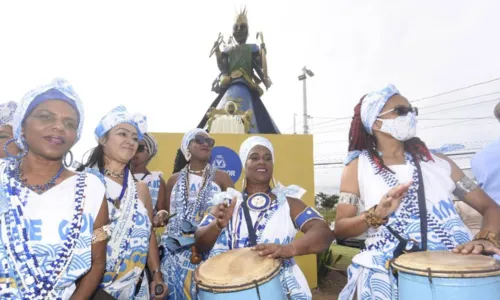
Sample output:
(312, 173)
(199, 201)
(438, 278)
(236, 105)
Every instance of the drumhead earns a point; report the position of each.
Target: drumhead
(235, 270)
(447, 264)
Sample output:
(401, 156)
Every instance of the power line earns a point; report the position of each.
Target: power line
(453, 123)
(456, 90)
(440, 119)
(459, 100)
(333, 119)
(315, 126)
(457, 107)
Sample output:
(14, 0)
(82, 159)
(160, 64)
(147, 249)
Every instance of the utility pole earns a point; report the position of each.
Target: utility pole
(305, 72)
(294, 123)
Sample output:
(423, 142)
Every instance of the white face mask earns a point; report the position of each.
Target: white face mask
(401, 128)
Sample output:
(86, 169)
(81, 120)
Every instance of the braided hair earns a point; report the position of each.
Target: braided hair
(180, 162)
(361, 140)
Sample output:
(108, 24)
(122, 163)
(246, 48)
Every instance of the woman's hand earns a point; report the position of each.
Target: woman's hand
(391, 200)
(477, 247)
(223, 213)
(157, 286)
(275, 250)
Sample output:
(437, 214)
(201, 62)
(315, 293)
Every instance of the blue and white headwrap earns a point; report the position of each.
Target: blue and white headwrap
(187, 138)
(372, 105)
(7, 111)
(251, 142)
(58, 89)
(120, 115)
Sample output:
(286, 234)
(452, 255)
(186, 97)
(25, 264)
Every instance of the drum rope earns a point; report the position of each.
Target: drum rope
(429, 275)
(257, 288)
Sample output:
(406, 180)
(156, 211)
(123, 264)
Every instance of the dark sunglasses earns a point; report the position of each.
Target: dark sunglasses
(141, 148)
(402, 110)
(200, 140)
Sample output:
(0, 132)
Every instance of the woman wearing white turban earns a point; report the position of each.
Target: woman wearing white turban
(190, 192)
(49, 247)
(276, 221)
(131, 243)
(399, 193)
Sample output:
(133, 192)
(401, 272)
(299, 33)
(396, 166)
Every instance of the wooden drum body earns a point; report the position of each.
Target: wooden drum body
(445, 275)
(239, 274)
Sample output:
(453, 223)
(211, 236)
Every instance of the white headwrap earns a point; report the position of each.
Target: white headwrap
(58, 89)
(7, 111)
(152, 146)
(187, 138)
(120, 115)
(251, 142)
(373, 103)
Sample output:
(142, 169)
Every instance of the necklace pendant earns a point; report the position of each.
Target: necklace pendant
(259, 202)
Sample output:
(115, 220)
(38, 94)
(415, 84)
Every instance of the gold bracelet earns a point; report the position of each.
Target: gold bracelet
(101, 234)
(489, 236)
(372, 220)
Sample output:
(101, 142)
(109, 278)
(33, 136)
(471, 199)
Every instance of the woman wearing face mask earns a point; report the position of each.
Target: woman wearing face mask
(399, 194)
(146, 150)
(131, 243)
(6, 116)
(190, 192)
(275, 221)
(50, 217)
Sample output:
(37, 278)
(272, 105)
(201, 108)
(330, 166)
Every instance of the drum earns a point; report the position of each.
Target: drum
(239, 274)
(447, 275)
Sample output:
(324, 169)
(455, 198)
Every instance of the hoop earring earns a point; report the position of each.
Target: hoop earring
(71, 160)
(18, 156)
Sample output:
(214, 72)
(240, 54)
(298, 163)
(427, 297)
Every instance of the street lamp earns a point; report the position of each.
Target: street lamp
(305, 72)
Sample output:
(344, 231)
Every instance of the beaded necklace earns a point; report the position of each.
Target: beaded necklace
(116, 202)
(123, 227)
(34, 283)
(37, 188)
(190, 209)
(113, 174)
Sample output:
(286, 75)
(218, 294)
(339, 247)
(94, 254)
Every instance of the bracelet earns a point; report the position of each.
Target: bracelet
(372, 220)
(161, 211)
(153, 273)
(101, 234)
(489, 236)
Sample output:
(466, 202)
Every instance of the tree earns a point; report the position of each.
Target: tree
(326, 201)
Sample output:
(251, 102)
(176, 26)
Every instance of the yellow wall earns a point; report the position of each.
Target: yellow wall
(293, 165)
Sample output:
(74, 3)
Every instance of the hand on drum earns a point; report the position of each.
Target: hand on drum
(223, 213)
(275, 250)
(391, 200)
(477, 247)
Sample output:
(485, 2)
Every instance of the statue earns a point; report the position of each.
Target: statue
(230, 119)
(243, 68)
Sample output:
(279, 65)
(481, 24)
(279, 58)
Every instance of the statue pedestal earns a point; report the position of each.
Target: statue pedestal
(227, 124)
